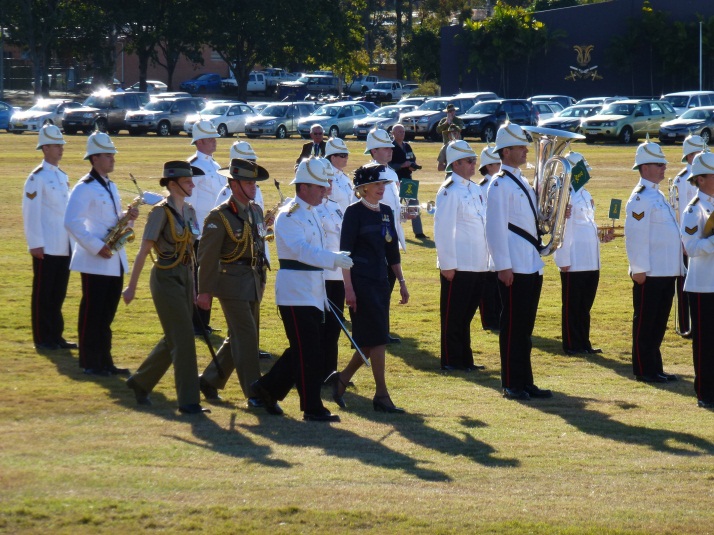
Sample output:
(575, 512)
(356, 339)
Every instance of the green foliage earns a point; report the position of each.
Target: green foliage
(428, 89)
(422, 53)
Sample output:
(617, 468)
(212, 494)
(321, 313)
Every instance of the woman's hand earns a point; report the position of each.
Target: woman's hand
(128, 294)
(351, 298)
(404, 293)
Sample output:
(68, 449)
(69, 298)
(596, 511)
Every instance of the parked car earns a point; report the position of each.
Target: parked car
(203, 83)
(170, 94)
(484, 118)
(45, 111)
(164, 116)
(362, 84)
(569, 119)
(228, 117)
(6, 112)
(312, 84)
(385, 92)
(684, 100)
(563, 100)
(698, 121)
(627, 120)
(152, 86)
(257, 83)
(599, 100)
(423, 120)
(385, 118)
(104, 111)
(546, 110)
(273, 76)
(279, 119)
(337, 120)
(89, 84)
(412, 101)
(258, 106)
(409, 89)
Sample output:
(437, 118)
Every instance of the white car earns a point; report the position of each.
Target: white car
(152, 86)
(45, 111)
(546, 110)
(227, 116)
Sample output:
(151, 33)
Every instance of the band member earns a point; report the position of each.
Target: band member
(43, 208)
(490, 305)
(170, 231)
(579, 261)
(368, 234)
(681, 193)
(699, 244)
(337, 154)
(233, 269)
(300, 296)
(513, 242)
(241, 150)
(462, 255)
(314, 148)
(94, 206)
(654, 251)
(208, 186)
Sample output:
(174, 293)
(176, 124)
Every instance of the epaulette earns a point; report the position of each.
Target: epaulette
(294, 207)
(483, 182)
(449, 182)
(640, 188)
(500, 174)
(694, 201)
(36, 169)
(681, 173)
(86, 179)
(192, 159)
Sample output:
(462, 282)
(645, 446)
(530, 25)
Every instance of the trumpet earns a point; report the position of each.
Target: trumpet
(429, 206)
(409, 209)
(272, 213)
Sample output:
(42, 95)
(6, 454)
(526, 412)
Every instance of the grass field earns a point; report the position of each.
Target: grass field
(605, 455)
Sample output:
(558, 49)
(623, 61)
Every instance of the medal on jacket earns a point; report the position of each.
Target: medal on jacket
(385, 229)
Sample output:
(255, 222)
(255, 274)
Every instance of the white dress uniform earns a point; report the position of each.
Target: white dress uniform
(391, 199)
(490, 306)
(580, 251)
(207, 186)
(460, 238)
(43, 207)
(654, 247)
(330, 215)
(342, 192)
(700, 287)
(686, 190)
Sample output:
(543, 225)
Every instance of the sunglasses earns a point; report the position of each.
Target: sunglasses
(341, 155)
(658, 164)
(470, 160)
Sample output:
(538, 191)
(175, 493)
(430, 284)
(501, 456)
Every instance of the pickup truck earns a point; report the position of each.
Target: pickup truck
(257, 83)
(385, 92)
(362, 84)
(274, 76)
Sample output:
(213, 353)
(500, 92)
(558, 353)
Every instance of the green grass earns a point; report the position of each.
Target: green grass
(606, 455)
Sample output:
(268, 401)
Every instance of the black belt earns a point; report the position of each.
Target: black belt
(296, 265)
(526, 236)
(168, 261)
(255, 262)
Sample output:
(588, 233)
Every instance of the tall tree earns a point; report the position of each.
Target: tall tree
(179, 36)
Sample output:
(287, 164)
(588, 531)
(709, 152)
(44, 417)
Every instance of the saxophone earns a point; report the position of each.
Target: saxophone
(270, 214)
(121, 234)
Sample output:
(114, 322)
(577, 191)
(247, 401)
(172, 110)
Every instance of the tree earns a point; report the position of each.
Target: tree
(179, 36)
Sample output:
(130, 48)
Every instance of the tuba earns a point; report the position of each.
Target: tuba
(551, 183)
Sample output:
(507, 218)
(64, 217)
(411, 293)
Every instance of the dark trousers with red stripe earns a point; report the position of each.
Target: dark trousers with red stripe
(682, 298)
(335, 290)
(490, 306)
(578, 289)
(49, 288)
(520, 306)
(652, 302)
(460, 298)
(100, 299)
(701, 307)
(302, 363)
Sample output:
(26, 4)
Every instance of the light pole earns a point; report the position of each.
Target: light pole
(701, 23)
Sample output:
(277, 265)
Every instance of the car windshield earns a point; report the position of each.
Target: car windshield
(618, 108)
(576, 111)
(433, 105)
(204, 77)
(678, 101)
(102, 101)
(484, 107)
(44, 106)
(700, 115)
(387, 113)
(274, 111)
(303, 79)
(330, 111)
(383, 85)
(215, 109)
(158, 105)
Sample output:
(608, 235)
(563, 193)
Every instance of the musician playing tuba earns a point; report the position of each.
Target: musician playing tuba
(94, 207)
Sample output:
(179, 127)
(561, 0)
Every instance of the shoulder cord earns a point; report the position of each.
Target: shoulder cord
(180, 244)
(241, 244)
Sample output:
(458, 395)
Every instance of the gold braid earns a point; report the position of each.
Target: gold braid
(181, 242)
(241, 244)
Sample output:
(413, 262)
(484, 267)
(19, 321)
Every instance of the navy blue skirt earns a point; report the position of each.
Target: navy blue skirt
(370, 324)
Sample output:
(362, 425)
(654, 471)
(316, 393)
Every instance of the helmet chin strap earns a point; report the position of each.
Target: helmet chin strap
(244, 193)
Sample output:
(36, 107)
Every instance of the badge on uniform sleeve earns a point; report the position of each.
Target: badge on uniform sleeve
(637, 216)
(690, 230)
(211, 225)
(31, 195)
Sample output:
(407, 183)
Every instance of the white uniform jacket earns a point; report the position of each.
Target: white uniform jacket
(391, 199)
(331, 217)
(342, 192)
(652, 239)
(299, 236)
(460, 226)
(700, 273)
(208, 186)
(43, 206)
(484, 184)
(686, 191)
(507, 203)
(90, 215)
(581, 243)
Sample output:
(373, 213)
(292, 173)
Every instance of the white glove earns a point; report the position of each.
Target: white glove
(343, 260)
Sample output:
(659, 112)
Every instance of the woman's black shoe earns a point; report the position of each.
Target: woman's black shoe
(335, 380)
(380, 406)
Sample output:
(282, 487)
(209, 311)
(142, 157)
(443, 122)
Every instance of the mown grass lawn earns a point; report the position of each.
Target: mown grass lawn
(605, 455)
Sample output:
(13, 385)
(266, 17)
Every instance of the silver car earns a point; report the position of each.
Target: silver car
(228, 117)
(279, 119)
(336, 119)
(45, 111)
(384, 118)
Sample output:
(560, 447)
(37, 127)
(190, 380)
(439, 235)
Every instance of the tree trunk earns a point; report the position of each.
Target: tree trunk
(398, 38)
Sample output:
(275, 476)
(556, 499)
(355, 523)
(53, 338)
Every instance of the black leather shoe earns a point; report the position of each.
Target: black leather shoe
(576, 351)
(255, 403)
(651, 378)
(193, 408)
(322, 416)
(516, 393)
(381, 406)
(594, 350)
(669, 376)
(264, 396)
(64, 344)
(264, 355)
(335, 381)
(98, 373)
(141, 395)
(705, 404)
(46, 346)
(394, 340)
(421, 236)
(535, 392)
(474, 367)
(209, 391)
(113, 370)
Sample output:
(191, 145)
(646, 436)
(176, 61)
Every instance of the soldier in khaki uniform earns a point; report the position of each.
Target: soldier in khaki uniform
(169, 234)
(232, 267)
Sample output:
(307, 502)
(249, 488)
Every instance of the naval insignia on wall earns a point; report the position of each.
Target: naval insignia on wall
(583, 71)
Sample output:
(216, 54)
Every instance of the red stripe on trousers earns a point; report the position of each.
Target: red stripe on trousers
(639, 327)
(302, 361)
(510, 334)
(446, 323)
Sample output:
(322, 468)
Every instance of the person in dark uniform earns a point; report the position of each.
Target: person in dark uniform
(369, 234)
(654, 251)
(314, 148)
(404, 164)
(170, 231)
(699, 244)
(300, 296)
(43, 207)
(512, 234)
(233, 269)
(94, 206)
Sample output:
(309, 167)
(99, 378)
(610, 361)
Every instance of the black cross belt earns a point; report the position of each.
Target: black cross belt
(296, 265)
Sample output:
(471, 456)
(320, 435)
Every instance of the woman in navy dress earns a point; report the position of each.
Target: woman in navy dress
(369, 234)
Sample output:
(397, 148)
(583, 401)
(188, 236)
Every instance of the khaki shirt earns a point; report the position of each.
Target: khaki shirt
(158, 230)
